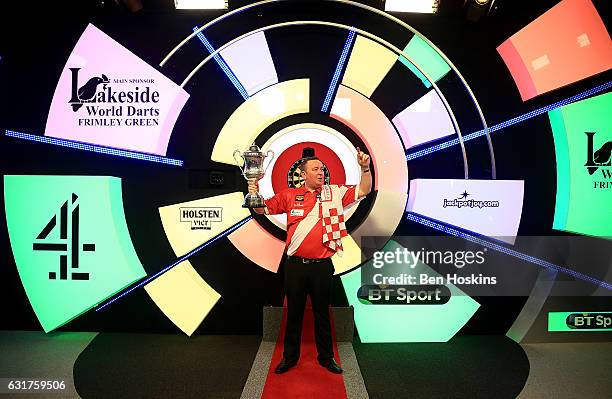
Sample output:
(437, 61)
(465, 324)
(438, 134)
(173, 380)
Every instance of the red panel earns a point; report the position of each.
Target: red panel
(566, 44)
(519, 70)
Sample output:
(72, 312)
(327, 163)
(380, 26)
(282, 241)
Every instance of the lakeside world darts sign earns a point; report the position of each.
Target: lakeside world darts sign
(108, 96)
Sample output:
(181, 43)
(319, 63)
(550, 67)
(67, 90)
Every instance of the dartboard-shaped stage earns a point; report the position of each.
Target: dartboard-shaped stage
(283, 75)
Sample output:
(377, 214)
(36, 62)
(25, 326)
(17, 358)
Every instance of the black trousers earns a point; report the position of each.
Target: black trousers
(302, 279)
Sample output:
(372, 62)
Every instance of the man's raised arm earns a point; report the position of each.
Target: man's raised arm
(365, 184)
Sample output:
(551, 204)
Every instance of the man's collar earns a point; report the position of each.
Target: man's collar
(305, 190)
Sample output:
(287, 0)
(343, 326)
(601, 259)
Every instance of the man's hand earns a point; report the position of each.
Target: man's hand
(363, 159)
(253, 186)
(365, 184)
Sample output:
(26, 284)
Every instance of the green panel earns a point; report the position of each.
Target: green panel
(563, 169)
(583, 199)
(589, 321)
(80, 219)
(426, 58)
(408, 323)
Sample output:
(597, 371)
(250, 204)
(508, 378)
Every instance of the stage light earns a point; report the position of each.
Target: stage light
(200, 4)
(94, 148)
(177, 262)
(221, 62)
(420, 6)
(339, 68)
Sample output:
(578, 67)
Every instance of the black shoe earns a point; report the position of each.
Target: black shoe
(284, 366)
(332, 366)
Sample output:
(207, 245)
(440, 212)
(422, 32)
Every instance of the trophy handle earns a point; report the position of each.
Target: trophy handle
(236, 159)
(267, 155)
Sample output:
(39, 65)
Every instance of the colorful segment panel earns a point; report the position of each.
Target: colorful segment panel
(488, 207)
(582, 133)
(408, 323)
(71, 246)
(566, 44)
(251, 62)
(123, 104)
(183, 296)
(427, 58)
(258, 112)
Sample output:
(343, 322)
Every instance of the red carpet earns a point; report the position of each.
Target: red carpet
(308, 379)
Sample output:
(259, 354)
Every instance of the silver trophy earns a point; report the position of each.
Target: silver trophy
(252, 168)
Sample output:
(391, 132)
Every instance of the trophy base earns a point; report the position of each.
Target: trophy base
(253, 201)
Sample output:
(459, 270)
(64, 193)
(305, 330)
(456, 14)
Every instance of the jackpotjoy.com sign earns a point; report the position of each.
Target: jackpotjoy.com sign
(108, 96)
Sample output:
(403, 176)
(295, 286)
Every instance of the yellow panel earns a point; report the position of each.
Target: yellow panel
(369, 64)
(258, 112)
(349, 259)
(183, 296)
(185, 235)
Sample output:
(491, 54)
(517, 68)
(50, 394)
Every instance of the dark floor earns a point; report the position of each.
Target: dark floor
(164, 366)
(174, 366)
(476, 366)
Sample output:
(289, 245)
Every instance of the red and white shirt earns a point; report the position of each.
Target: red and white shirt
(305, 210)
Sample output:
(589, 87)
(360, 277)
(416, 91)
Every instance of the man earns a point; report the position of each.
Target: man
(315, 227)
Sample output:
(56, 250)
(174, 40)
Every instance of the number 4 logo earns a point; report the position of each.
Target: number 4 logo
(68, 245)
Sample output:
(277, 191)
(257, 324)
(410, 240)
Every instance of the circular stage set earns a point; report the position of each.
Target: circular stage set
(488, 226)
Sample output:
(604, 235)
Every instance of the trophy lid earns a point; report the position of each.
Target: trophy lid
(253, 151)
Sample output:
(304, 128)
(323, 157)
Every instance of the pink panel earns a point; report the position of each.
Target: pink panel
(566, 44)
(261, 247)
(107, 96)
(383, 142)
(424, 120)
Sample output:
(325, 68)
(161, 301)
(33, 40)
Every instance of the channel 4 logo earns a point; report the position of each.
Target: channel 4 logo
(68, 226)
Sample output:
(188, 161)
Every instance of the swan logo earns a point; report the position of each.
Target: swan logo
(599, 158)
(87, 92)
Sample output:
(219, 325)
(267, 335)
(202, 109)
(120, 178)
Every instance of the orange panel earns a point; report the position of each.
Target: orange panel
(564, 45)
(261, 247)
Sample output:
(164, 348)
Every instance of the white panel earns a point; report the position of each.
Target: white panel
(420, 6)
(488, 207)
(250, 60)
